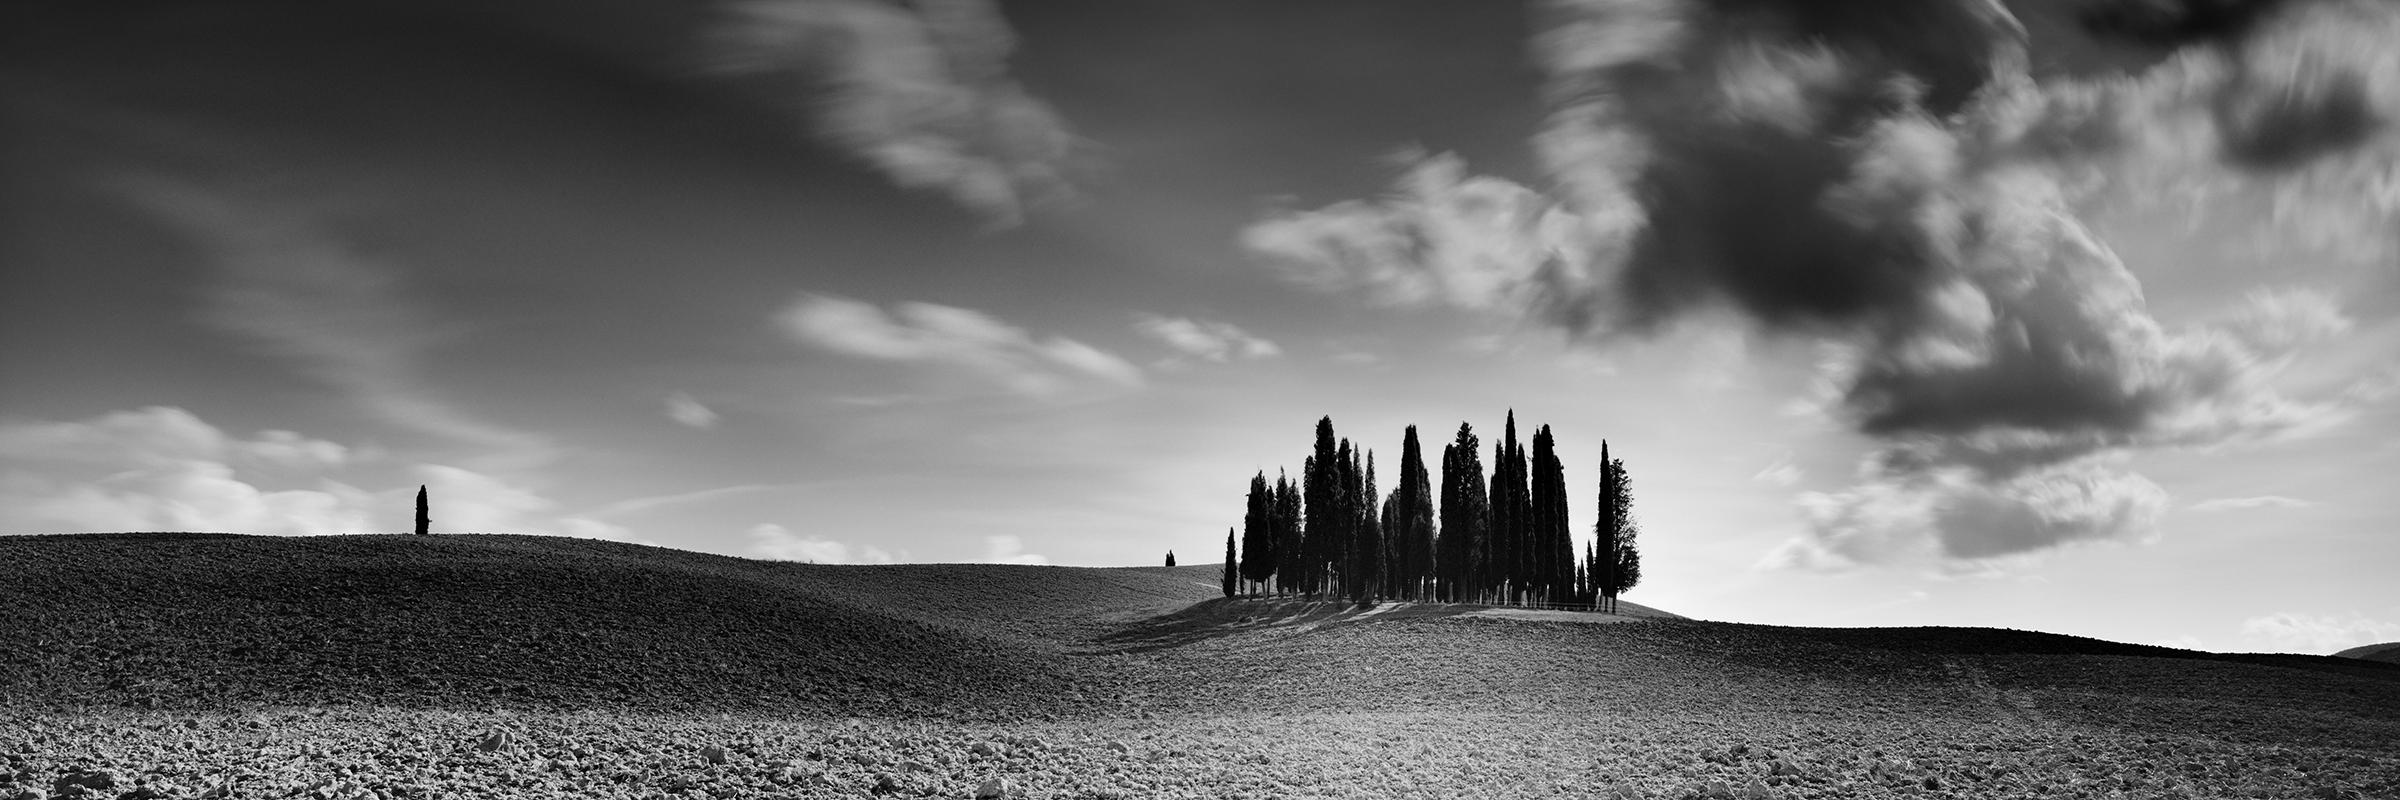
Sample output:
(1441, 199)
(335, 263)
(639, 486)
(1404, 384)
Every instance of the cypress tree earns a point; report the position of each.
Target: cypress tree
(1230, 576)
(1620, 557)
(1287, 555)
(1366, 554)
(1258, 532)
(1465, 518)
(1511, 512)
(1553, 542)
(1170, 558)
(424, 513)
(1413, 532)
(1319, 476)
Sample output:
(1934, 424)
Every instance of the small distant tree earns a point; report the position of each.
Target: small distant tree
(424, 513)
(1170, 558)
(1231, 574)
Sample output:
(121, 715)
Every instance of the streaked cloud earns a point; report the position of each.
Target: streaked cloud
(288, 285)
(2218, 504)
(960, 338)
(690, 413)
(1781, 473)
(777, 543)
(920, 90)
(1205, 339)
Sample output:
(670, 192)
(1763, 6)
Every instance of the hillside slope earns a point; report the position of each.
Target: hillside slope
(455, 666)
(2387, 652)
(177, 619)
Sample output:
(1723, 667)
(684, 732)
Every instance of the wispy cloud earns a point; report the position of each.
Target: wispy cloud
(775, 542)
(690, 413)
(963, 338)
(287, 284)
(1206, 340)
(920, 90)
(2249, 503)
(1901, 186)
(641, 504)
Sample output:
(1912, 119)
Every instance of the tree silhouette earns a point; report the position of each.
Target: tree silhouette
(1258, 532)
(1288, 542)
(1504, 548)
(1620, 562)
(424, 513)
(1553, 550)
(1465, 517)
(1320, 477)
(1170, 558)
(1366, 552)
(1230, 573)
(1409, 521)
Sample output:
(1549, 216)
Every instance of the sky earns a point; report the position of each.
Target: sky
(2077, 316)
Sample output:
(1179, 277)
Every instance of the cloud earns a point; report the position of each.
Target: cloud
(2318, 633)
(1007, 549)
(771, 541)
(285, 283)
(1440, 237)
(2215, 505)
(690, 413)
(1899, 182)
(964, 338)
(1205, 340)
(164, 469)
(919, 90)
(1782, 473)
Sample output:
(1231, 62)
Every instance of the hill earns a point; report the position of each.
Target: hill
(2387, 652)
(406, 667)
(188, 620)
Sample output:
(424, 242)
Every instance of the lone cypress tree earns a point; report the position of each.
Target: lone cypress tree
(1170, 558)
(424, 513)
(1229, 563)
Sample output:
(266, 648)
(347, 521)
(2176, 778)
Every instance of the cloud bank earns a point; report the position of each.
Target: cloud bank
(920, 90)
(961, 338)
(1902, 181)
(165, 469)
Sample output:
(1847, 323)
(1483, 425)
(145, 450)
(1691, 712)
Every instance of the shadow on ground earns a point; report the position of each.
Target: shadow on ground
(1226, 616)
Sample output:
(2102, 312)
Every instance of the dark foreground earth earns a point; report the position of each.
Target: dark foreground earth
(179, 665)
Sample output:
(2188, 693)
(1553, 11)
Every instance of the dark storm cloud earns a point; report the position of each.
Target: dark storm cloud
(1893, 177)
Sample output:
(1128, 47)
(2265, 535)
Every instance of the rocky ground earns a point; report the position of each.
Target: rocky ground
(179, 667)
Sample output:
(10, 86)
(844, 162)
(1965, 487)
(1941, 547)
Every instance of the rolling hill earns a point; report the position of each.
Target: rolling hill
(2387, 652)
(401, 667)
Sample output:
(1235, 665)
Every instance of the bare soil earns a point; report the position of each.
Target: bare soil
(453, 666)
